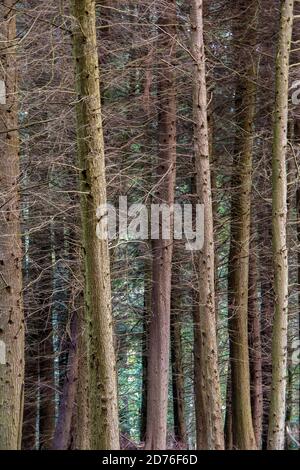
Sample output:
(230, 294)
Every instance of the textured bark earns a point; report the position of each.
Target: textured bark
(267, 309)
(180, 433)
(255, 354)
(292, 218)
(267, 31)
(102, 371)
(62, 435)
(80, 428)
(145, 345)
(159, 330)
(209, 427)
(45, 346)
(30, 392)
(243, 434)
(276, 432)
(11, 303)
(228, 434)
(215, 206)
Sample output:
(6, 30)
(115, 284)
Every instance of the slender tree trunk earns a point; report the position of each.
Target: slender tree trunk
(228, 434)
(267, 309)
(45, 341)
(255, 345)
(293, 279)
(180, 433)
(159, 331)
(243, 434)
(11, 302)
(276, 432)
(209, 426)
(30, 392)
(145, 346)
(103, 384)
(80, 428)
(62, 435)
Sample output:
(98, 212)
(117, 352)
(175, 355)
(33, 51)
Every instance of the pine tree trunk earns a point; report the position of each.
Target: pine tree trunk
(103, 384)
(228, 434)
(276, 434)
(255, 345)
(145, 340)
(243, 434)
(209, 426)
(267, 309)
(11, 303)
(62, 435)
(45, 339)
(159, 330)
(80, 427)
(180, 433)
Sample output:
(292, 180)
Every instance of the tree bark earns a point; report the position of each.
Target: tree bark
(80, 427)
(228, 434)
(243, 434)
(11, 302)
(145, 346)
(62, 435)
(276, 434)
(102, 371)
(45, 339)
(159, 330)
(209, 427)
(255, 355)
(180, 433)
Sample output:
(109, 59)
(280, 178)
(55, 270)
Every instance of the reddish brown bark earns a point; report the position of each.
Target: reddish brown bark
(159, 331)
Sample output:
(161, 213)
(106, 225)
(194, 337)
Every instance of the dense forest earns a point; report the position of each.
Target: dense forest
(149, 224)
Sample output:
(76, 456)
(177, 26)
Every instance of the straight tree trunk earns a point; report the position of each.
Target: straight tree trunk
(11, 302)
(102, 371)
(267, 309)
(180, 433)
(276, 434)
(62, 435)
(243, 434)
(228, 434)
(45, 339)
(145, 346)
(159, 330)
(209, 426)
(80, 427)
(255, 354)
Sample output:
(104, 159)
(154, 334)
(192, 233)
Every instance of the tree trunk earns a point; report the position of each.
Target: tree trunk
(159, 330)
(267, 309)
(145, 340)
(11, 302)
(62, 435)
(243, 434)
(255, 345)
(228, 434)
(180, 433)
(276, 434)
(103, 384)
(80, 427)
(209, 427)
(44, 286)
